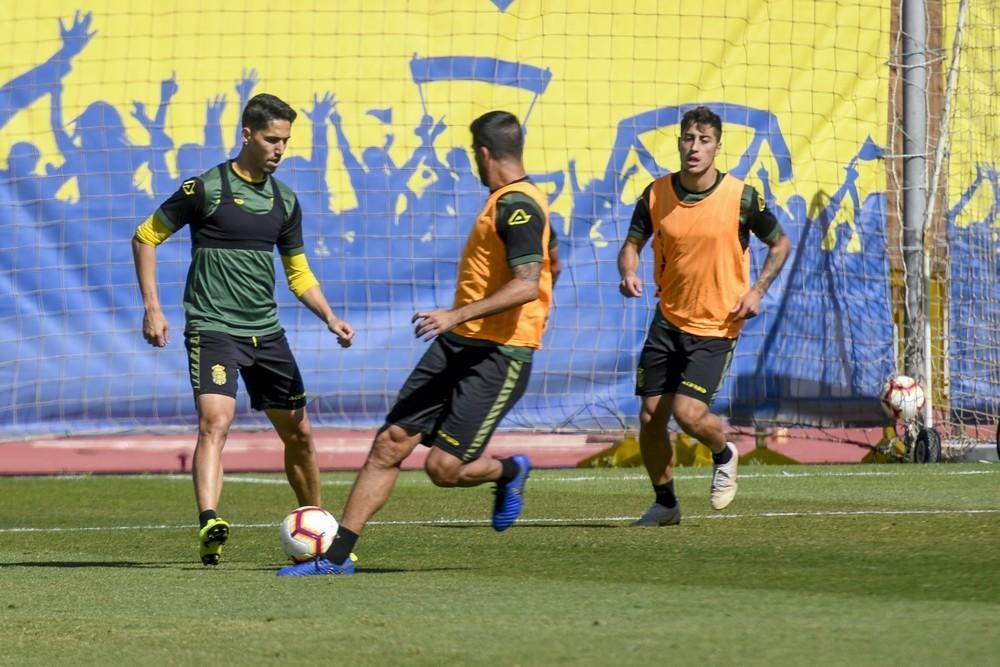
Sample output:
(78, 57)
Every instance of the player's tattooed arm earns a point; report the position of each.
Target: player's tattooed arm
(749, 304)
(777, 253)
(530, 271)
(519, 290)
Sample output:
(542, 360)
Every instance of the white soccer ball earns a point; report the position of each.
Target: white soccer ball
(307, 532)
(902, 398)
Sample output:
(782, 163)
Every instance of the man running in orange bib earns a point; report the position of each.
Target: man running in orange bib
(699, 221)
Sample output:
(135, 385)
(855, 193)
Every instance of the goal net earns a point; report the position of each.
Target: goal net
(963, 235)
(105, 110)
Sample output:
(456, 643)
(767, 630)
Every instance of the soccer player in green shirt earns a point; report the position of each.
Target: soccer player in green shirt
(238, 212)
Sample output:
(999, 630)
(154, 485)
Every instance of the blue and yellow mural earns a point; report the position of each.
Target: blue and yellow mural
(104, 111)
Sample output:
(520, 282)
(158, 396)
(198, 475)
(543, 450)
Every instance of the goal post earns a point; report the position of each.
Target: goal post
(948, 251)
(967, 158)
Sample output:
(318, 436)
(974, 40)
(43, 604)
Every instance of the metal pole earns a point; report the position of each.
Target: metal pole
(939, 159)
(914, 25)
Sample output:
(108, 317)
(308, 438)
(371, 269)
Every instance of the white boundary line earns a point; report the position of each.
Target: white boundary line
(538, 475)
(538, 521)
(539, 478)
(774, 475)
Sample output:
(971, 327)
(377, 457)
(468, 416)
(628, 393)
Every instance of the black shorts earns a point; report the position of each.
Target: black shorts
(675, 362)
(269, 371)
(458, 394)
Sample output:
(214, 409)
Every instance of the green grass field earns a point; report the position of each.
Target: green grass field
(818, 565)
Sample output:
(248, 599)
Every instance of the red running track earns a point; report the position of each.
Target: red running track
(338, 450)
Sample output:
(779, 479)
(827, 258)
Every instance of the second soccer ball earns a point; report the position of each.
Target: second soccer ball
(902, 398)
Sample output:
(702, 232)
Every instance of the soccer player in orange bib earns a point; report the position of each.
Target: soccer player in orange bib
(478, 364)
(699, 221)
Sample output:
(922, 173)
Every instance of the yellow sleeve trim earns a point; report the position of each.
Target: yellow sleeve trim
(153, 232)
(300, 276)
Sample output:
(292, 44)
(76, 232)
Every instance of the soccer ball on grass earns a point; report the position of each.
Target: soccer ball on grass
(902, 398)
(307, 532)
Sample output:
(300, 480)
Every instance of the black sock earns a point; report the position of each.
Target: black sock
(206, 515)
(665, 494)
(722, 457)
(342, 546)
(509, 471)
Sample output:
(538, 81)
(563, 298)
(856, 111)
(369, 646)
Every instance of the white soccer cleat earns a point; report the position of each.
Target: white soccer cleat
(724, 480)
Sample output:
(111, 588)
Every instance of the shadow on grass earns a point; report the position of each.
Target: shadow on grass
(186, 565)
(94, 563)
(529, 525)
(381, 570)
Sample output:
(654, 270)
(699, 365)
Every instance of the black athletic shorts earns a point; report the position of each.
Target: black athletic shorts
(458, 394)
(269, 371)
(675, 362)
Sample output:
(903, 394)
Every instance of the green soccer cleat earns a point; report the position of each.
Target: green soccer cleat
(211, 538)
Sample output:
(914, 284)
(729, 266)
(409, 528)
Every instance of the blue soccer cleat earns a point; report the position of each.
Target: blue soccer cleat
(510, 496)
(321, 565)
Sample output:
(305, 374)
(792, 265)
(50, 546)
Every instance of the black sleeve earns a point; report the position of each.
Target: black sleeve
(184, 206)
(290, 239)
(759, 218)
(519, 224)
(641, 226)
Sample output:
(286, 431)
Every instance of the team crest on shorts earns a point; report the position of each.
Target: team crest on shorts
(640, 377)
(219, 374)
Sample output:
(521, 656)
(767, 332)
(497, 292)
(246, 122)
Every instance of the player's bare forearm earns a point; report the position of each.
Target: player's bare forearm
(630, 284)
(314, 299)
(519, 290)
(777, 253)
(555, 265)
(155, 328)
(628, 256)
(144, 256)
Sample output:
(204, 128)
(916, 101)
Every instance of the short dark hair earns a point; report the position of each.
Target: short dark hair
(702, 116)
(500, 132)
(263, 108)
